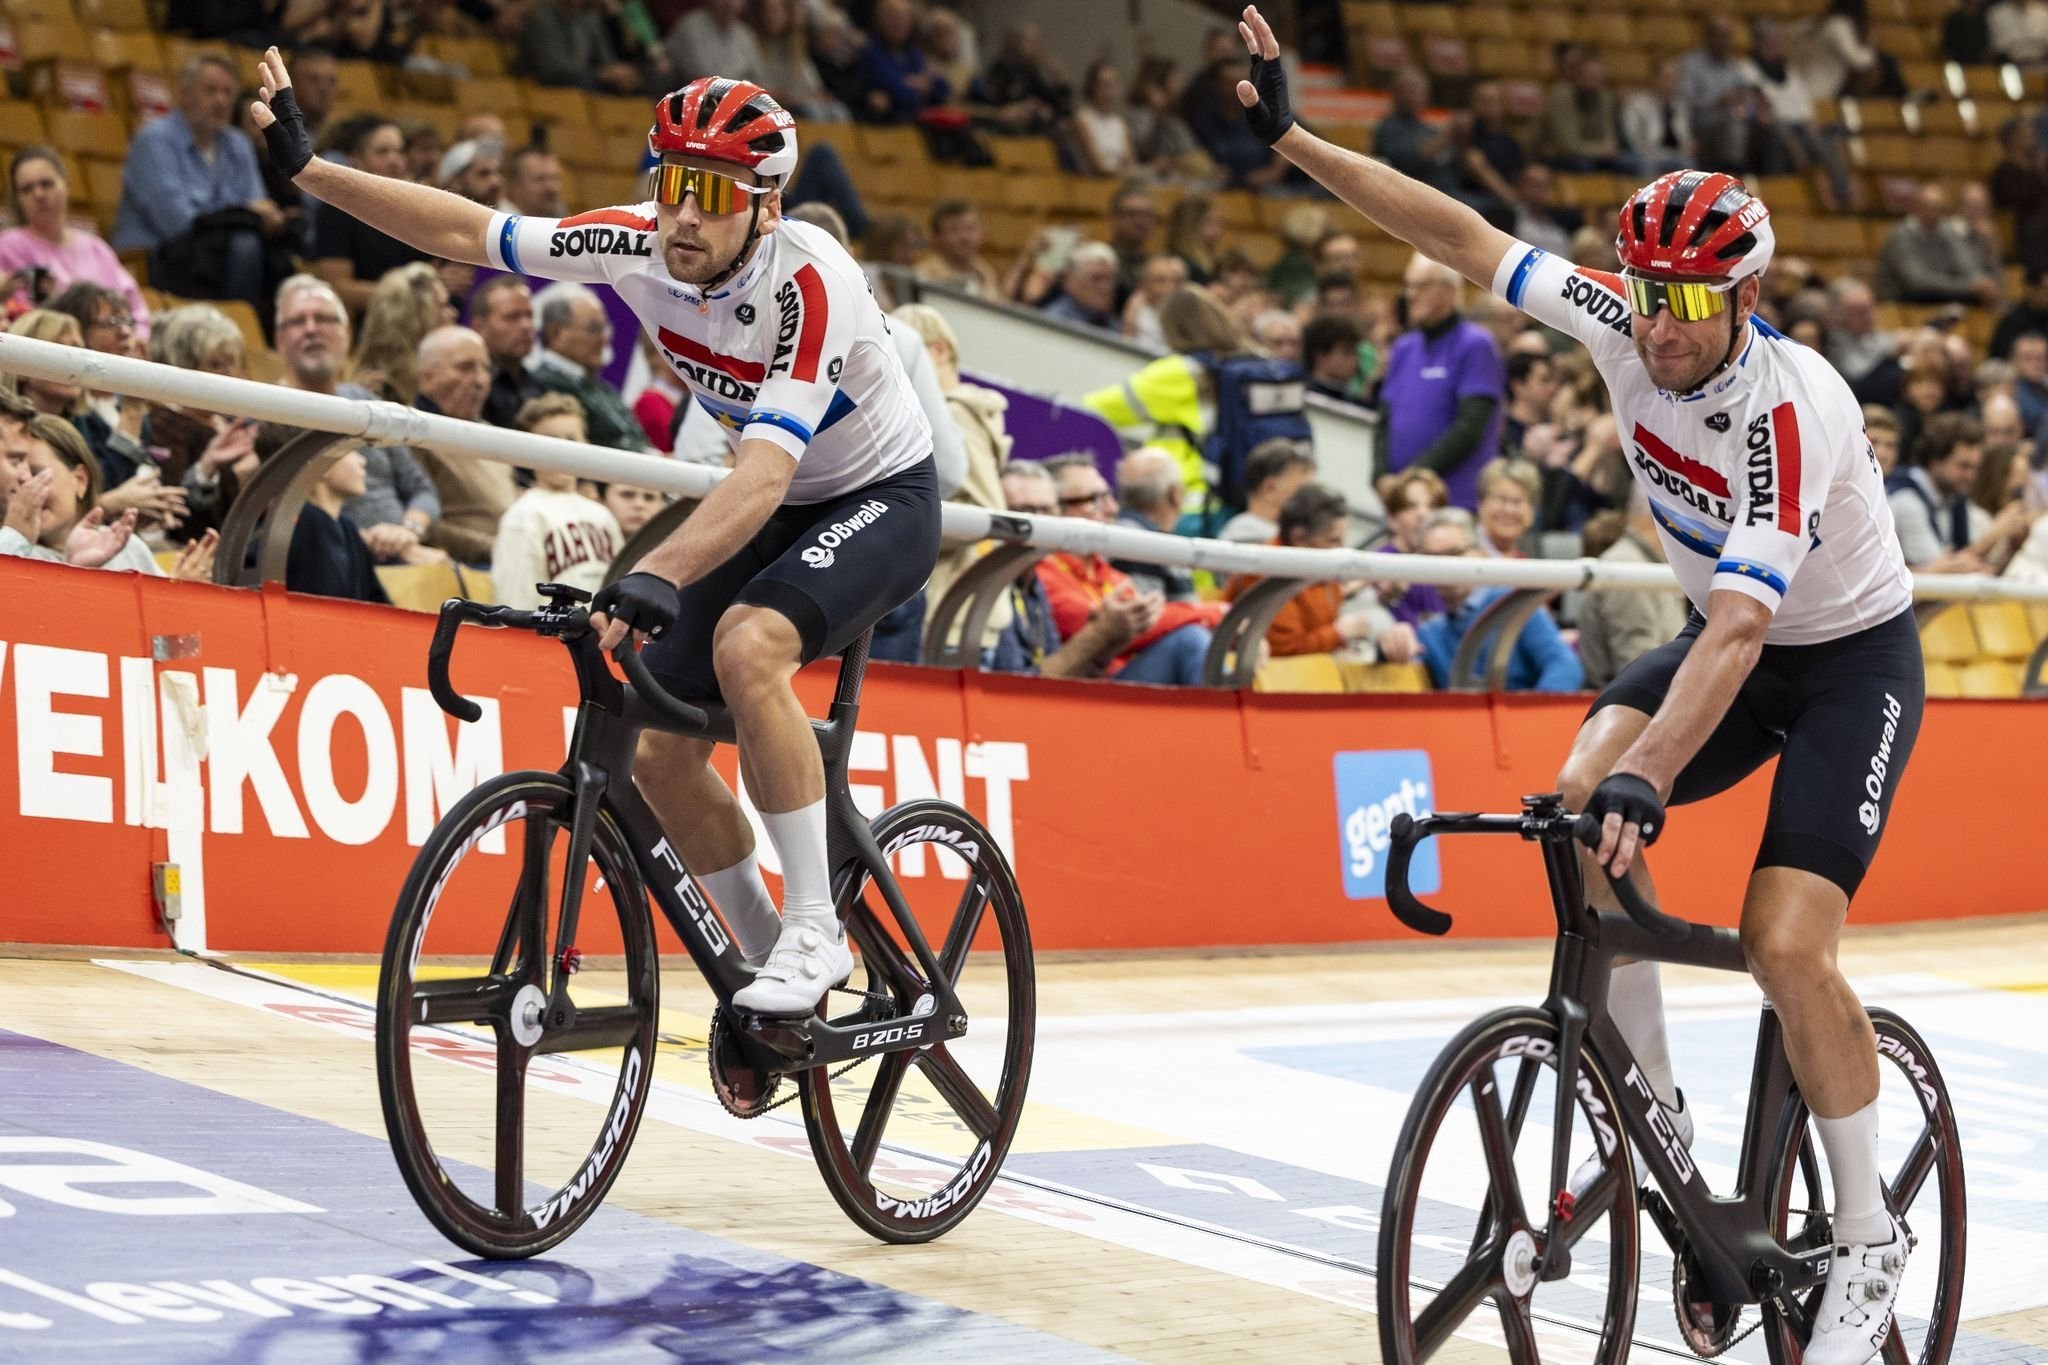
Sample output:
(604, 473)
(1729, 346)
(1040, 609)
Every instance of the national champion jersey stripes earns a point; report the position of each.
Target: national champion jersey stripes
(794, 351)
(1761, 482)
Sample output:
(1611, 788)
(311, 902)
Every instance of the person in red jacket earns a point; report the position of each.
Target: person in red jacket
(1171, 646)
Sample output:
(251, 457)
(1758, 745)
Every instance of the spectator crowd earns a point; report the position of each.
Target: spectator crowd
(1495, 435)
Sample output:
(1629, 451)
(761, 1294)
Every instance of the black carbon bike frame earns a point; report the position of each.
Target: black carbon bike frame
(599, 767)
(1728, 1235)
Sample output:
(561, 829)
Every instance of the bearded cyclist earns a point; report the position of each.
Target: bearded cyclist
(1801, 643)
(828, 521)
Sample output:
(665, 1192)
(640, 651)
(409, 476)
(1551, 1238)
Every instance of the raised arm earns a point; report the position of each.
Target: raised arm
(434, 221)
(1432, 222)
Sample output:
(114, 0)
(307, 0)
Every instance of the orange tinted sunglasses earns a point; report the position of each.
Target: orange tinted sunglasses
(716, 194)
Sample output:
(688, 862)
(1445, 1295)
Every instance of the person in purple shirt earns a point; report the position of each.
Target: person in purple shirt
(1441, 400)
(901, 82)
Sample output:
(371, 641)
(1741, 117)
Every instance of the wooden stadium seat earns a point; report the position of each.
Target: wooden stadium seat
(49, 33)
(127, 49)
(1372, 16)
(99, 181)
(1787, 192)
(1947, 637)
(626, 116)
(1904, 41)
(1942, 680)
(1031, 154)
(1300, 673)
(128, 15)
(1482, 23)
(78, 86)
(579, 144)
(1365, 677)
(1667, 32)
(2037, 620)
(442, 117)
(1429, 21)
(1546, 27)
(419, 587)
(490, 95)
(1989, 678)
(144, 95)
(1446, 56)
(21, 123)
(1089, 194)
(478, 56)
(89, 134)
(357, 87)
(892, 145)
(1500, 57)
(2002, 630)
(558, 104)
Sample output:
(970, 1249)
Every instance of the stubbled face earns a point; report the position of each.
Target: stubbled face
(698, 246)
(208, 99)
(1680, 356)
(1958, 473)
(383, 153)
(312, 332)
(535, 186)
(959, 237)
(506, 323)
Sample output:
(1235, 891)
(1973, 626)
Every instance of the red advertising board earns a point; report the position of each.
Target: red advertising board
(284, 752)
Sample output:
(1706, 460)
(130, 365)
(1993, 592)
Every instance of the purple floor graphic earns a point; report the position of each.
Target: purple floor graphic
(143, 1219)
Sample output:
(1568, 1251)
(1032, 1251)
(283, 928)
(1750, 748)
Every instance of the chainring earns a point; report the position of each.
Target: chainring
(1708, 1329)
(744, 1089)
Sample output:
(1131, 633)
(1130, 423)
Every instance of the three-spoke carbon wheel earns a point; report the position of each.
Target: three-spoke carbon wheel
(507, 1141)
(909, 1142)
(1469, 1213)
(1922, 1165)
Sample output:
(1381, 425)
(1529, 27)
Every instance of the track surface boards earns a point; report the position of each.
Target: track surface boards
(193, 1166)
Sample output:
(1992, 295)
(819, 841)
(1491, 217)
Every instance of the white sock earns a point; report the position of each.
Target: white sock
(799, 837)
(1635, 1001)
(1851, 1144)
(749, 911)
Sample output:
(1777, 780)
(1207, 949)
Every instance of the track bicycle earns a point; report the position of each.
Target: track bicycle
(1492, 1200)
(566, 1009)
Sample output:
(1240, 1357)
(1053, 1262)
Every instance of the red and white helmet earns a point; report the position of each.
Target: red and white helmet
(1701, 223)
(726, 120)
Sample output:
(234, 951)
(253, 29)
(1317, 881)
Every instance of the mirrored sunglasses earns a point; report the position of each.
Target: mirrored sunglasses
(716, 194)
(1686, 302)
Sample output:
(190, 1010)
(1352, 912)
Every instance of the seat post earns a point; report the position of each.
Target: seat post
(853, 668)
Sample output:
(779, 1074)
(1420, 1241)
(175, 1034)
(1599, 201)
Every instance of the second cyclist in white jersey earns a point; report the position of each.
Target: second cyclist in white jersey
(1801, 645)
(828, 521)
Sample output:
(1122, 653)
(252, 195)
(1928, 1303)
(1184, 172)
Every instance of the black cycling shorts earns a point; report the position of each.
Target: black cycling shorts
(1840, 718)
(833, 568)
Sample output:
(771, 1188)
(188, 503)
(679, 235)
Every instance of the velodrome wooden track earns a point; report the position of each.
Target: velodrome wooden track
(713, 1244)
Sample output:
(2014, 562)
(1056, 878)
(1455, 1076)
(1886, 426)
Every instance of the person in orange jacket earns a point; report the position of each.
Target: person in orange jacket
(1173, 642)
(1315, 621)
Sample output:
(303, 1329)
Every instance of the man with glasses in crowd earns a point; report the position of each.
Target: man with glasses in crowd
(828, 521)
(1801, 645)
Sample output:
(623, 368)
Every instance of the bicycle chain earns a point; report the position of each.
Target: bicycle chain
(869, 996)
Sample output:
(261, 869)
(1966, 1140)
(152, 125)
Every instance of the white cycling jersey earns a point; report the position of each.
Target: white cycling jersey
(793, 350)
(1761, 483)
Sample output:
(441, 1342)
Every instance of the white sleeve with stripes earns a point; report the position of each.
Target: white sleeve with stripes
(1586, 304)
(585, 247)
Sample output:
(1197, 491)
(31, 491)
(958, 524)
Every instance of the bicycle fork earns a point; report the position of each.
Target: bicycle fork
(1572, 1020)
(589, 781)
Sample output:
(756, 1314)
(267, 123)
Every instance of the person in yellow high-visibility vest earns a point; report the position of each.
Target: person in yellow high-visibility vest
(1168, 402)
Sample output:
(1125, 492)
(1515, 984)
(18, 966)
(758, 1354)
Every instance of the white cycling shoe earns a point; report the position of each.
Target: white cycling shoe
(801, 967)
(1855, 1310)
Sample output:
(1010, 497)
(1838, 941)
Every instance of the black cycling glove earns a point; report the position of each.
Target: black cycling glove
(643, 601)
(1634, 800)
(1272, 116)
(291, 147)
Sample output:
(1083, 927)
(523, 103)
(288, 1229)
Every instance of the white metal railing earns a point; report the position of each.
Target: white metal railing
(382, 423)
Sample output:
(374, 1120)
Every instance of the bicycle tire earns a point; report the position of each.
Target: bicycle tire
(1902, 1047)
(907, 1212)
(1524, 1041)
(542, 801)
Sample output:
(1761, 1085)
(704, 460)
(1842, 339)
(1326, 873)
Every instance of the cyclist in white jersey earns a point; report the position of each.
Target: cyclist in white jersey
(1801, 645)
(828, 521)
